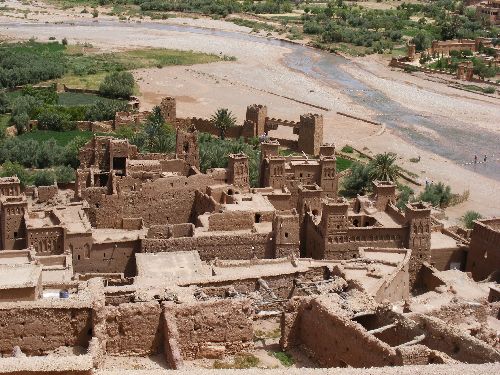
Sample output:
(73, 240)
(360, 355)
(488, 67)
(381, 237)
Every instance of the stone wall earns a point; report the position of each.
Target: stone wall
(134, 329)
(36, 329)
(214, 328)
(330, 339)
(223, 246)
(162, 201)
(484, 253)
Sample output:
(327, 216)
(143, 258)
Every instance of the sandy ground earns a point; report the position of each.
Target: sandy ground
(259, 76)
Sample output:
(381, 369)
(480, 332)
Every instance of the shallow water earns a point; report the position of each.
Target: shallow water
(458, 142)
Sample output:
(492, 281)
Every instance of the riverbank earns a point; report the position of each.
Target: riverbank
(260, 75)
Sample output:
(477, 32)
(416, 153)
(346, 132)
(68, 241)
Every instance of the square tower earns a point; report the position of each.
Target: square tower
(257, 113)
(310, 133)
(187, 148)
(328, 175)
(418, 216)
(238, 173)
(384, 192)
(10, 186)
(168, 110)
(12, 223)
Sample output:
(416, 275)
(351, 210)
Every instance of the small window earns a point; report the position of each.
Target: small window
(286, 234)
(78, 257)
(258, 218)
(15, 234)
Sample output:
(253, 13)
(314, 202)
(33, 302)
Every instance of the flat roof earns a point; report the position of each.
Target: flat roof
(442, 241)
(19, 276)
(117, 235)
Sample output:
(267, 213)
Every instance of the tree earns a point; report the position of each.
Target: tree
(223, 119)
(10, 169)
(4, 102)
(117, 85)
(439, 195)
(383, 167)
(358, 181)
(64, 174)
(103, 110)
(421, 41)
(44, 178)
(469, 218)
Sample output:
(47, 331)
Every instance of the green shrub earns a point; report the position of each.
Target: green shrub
(241, 361)
(469, 218)
(4, 103)
(439, 195)
(358, 181)
(285, 358)
(64, 174)
(10, 169)
(347, 149)
(117, 85)
(489, 90)
(104, 110)
(51, 119)
(43, 178)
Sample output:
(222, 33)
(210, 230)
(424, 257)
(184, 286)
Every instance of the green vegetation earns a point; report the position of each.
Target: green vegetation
(240, 361)
(44, 177)
(254, 25)
(223, 119)
(261, 335)
(469, 218)
(82, 65)
(61, 138)
(485, 90)
(438, 195)
(285, 358)
(347, 149)
(117, 85)
(451, 63)
(343, 164)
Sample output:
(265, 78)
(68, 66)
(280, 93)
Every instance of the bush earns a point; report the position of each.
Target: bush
(489, 90)
(104, 110)
(117, 85)
(51, 119)
(43, 178)
(358, 181)
(439, 195)
(469, 218)
(4, 103)
(20, 121)
(10, 169)
(64, 174)
(347, 149)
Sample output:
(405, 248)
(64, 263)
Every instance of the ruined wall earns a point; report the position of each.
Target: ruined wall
(46, 193)
(484, 252)
(39, 328)
(332, 340)
(230, 220)
(108, 257)
(225, 246)
(455, 342)
(162, 201)
(134, 329)
(282, 285)
(443, 258)
(204, 327)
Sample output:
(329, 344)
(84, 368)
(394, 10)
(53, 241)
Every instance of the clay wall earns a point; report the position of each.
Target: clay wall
(443, 258)
(203, 203)
(456, 343)
(39, 328)
(163, 201)
(280, 202)
(9, 186)
(20, 294)
(281, 285)
(429, 278)
(134, 329)
(204, 327)
(484, 252)
(132, 223)
(108, 257)
(48, 240)
(225, 246)
(341, 342)
(230, 221)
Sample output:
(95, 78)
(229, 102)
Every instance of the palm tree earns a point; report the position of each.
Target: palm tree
(223, 119)
(383, 167)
